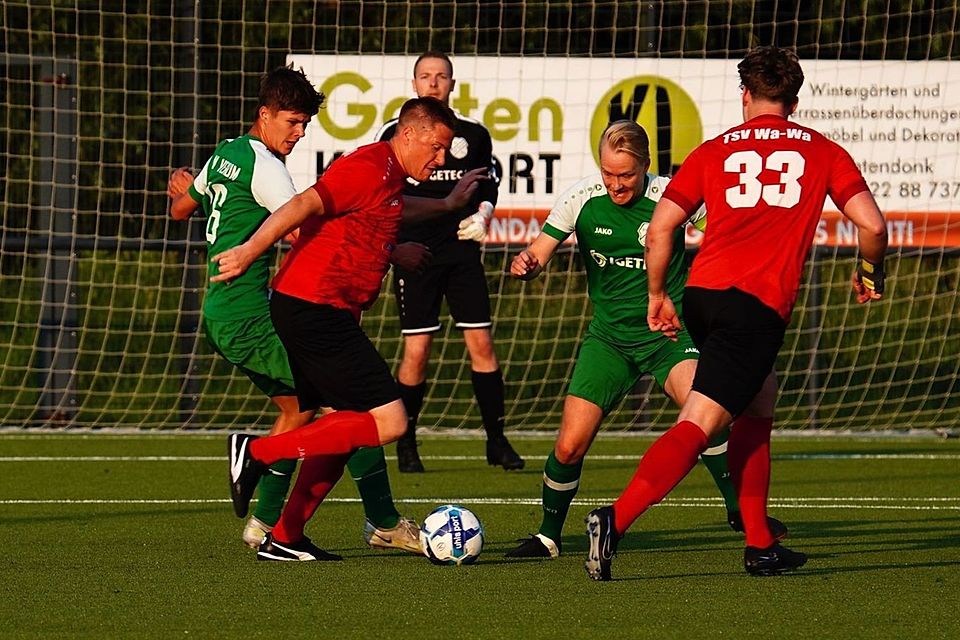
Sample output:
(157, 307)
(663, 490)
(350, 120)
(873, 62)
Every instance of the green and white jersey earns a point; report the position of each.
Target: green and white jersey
(239, 186)
(610, 239)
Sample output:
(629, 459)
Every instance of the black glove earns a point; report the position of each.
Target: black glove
(870, 274)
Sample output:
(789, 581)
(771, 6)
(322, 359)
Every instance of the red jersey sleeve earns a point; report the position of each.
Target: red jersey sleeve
(686, 186)
(847, 181)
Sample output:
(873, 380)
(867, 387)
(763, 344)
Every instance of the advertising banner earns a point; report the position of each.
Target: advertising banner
(899, 120)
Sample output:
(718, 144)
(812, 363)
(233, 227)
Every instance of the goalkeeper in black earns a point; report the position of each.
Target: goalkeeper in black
(456, 273)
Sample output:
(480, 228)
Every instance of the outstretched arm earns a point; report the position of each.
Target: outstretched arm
(416, 209)
(232, 263)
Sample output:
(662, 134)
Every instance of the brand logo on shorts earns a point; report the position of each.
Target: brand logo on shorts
(691, 350)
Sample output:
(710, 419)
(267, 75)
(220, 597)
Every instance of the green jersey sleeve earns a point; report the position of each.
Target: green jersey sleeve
(562, 220)
(199, 186)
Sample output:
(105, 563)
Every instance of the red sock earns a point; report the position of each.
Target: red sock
(748, 458)
(317, 477)
(335, 433)
(661, 468)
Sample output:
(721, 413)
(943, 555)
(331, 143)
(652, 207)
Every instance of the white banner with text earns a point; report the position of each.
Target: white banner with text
(899, 120)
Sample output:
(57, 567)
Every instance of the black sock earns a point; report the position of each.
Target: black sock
(488, 387)
(412, 397)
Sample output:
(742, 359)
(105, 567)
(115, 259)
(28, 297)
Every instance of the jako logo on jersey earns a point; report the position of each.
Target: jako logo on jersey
(628, 262)
(603, 231)
(691, 350)
(665, 111)
(642, 233)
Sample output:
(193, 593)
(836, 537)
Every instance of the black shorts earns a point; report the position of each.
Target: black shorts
(738, 337)
(334, 364)
(464, 284)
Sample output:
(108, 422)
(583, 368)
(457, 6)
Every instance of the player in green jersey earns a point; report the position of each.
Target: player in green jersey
(242, 183)
(609, 213)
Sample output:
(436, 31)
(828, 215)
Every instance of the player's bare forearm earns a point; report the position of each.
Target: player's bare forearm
(657, 252)
(869, 275)
(658, 246)
(182, 205)
(529, 263)
(862, 210)
(234, 262)
(411, 256)
(417, 209)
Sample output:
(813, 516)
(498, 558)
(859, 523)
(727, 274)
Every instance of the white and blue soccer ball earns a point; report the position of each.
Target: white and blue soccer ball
(451, 534)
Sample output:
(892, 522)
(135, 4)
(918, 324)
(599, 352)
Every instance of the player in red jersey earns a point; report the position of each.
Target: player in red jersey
(764, 184)
(348, 225)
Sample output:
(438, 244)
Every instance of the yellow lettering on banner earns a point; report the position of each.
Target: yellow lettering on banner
(501, 116)
(367, 113)
(465, 103)
(392, 110)
(551, 106)
(501, 111)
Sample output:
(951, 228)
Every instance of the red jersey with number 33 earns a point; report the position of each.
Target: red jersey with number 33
(764, 184)
(340, 257)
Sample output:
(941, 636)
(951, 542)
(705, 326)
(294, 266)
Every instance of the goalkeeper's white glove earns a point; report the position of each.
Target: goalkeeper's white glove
(474, 227)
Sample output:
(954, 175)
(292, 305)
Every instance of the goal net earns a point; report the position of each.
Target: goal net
(101, 290)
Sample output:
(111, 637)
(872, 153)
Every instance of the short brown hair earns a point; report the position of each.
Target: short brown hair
(772, 73)
(439, 55)
(428, 111)
(289, 89)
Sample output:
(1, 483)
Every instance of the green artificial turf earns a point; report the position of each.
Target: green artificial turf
(99, 546)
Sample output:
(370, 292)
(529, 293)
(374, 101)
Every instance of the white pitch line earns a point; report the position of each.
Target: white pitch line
(785, 503)
(607, 457)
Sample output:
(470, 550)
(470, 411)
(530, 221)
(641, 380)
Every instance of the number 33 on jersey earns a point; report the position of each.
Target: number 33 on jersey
(766, 179)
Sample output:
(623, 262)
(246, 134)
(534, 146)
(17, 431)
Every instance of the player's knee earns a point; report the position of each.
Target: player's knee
(416, 353)
(391, 425)
(569, 451)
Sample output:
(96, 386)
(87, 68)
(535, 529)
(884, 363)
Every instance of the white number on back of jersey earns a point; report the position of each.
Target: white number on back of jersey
(748, 165)
(213, 223)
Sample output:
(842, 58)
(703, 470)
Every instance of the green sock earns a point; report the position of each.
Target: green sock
(368, 467)
(715, 460)
(560, 485)
(272, 491)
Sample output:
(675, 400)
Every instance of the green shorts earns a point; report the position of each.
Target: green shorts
(252, 345)
(606, 372)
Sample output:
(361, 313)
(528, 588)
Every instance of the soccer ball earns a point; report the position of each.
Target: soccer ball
(451, 534)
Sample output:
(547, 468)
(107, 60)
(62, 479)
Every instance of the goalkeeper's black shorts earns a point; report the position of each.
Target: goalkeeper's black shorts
(738, 337)
(461, 281)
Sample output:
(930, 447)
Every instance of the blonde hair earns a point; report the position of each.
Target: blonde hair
(626, 136)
